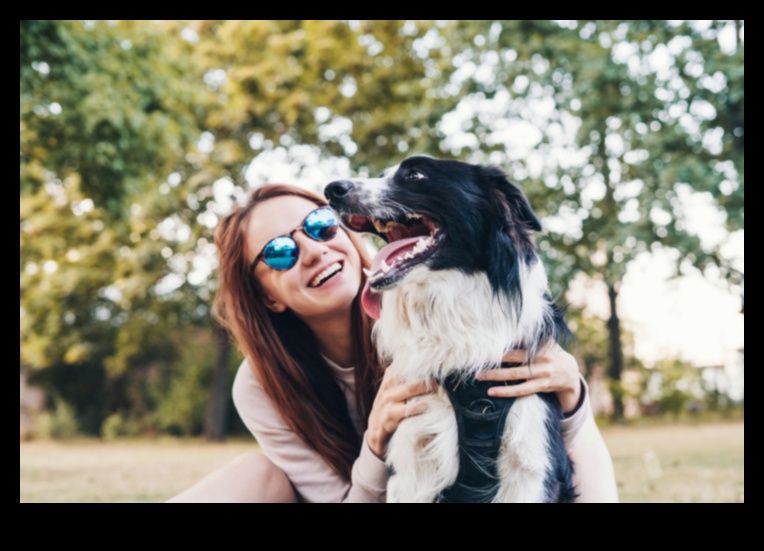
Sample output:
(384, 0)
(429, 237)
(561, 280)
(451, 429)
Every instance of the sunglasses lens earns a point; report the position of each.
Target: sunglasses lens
(321, 224)
(280, 253)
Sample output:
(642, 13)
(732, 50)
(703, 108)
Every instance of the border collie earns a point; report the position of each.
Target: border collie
(458, 285)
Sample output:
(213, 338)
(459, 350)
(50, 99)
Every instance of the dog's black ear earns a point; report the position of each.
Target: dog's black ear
(516, 209)
(510, 238)
(520, 205)
(503, 267)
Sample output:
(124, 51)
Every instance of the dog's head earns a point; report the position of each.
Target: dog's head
(441, 214)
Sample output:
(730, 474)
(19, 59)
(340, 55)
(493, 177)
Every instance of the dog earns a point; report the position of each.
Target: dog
(458, 285)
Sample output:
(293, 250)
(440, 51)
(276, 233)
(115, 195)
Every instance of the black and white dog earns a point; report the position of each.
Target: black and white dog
(458, 285)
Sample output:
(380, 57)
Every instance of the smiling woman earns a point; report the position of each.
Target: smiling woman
(289, 292)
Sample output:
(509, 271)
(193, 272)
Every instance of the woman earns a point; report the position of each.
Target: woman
(290, 283)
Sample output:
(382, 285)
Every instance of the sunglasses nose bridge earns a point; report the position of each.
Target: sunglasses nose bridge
(309, 248)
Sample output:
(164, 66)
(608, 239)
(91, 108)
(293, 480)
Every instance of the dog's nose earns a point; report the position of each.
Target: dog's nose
(336, 191)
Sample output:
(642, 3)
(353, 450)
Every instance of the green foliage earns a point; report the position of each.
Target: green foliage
(674, 386)
(633, 120)
(106, 102)
(589, 342)
(113, 427)
(368, 90)
(181, 410)
(58, 424)
(180, 392)
(107, 113)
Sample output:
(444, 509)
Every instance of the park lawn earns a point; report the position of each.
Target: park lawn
(679, 463)
(140, 471)
(663, 463)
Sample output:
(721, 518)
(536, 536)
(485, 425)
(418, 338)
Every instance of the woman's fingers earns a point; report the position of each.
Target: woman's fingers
(510, 374)
(515, 356)
(415, 408)
(400, 411)
(409, 409)
(527, 388)
(397, 391)
(417, 389)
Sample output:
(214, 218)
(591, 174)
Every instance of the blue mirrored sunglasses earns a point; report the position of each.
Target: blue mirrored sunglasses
(281, 253)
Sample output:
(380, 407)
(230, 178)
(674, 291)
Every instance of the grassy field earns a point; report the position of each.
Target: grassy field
(666, 463)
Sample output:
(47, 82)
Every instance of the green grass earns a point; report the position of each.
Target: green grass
(668, 463)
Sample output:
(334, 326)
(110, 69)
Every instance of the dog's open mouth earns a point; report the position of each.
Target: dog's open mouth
(411, 239)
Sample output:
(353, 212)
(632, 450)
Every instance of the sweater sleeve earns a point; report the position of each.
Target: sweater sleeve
(575, 420)
(312, 477)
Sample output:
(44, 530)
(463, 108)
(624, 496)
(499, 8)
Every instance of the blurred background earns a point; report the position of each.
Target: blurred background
(136, 136)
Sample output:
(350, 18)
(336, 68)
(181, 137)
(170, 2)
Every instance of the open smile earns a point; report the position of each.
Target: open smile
(327, 274)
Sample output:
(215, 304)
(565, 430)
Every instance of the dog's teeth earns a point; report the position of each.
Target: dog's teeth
(422, 244)
(384, 228)
(385, 267)
(381, 228)
(367, 272)
(412, 215)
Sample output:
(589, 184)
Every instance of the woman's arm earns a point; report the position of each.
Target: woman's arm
(391, 407)
(313, 478)
(593, 472)
(555, 370)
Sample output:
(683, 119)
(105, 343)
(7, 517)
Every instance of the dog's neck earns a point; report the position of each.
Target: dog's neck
(438, 322)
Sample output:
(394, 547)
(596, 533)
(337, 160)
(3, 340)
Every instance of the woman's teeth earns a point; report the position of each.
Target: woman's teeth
(326, 274)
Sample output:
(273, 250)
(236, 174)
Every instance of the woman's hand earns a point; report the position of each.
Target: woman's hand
(390, 408)
(553, 370)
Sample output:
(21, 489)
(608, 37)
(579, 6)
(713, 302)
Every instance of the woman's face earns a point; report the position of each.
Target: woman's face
(298, 288)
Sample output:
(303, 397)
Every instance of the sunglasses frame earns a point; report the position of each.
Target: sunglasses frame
(290, 235)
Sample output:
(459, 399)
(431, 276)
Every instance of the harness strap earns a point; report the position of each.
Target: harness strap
(480, 420)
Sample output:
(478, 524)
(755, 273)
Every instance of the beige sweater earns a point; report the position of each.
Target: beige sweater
(313, 479)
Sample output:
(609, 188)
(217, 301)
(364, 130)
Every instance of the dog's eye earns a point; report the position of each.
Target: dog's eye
(415, 175)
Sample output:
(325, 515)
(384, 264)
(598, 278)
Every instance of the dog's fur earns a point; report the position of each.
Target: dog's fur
(479, 292)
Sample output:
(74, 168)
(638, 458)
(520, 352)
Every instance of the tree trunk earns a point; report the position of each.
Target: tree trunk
(615, 353)
(215, 423)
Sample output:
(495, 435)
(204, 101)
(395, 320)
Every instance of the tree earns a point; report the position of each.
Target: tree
(628, 119)
(366, 90)
(106, 114)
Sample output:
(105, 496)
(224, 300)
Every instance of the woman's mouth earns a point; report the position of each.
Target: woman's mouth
(327, 274)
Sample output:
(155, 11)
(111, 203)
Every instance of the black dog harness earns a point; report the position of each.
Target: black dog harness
(480, 420)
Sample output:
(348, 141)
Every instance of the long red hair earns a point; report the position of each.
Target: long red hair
(282, 350)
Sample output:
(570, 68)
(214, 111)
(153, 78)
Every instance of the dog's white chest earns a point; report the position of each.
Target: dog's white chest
(424, 454)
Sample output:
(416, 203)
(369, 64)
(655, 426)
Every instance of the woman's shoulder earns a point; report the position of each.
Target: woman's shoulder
(247, 391)
(245, 377)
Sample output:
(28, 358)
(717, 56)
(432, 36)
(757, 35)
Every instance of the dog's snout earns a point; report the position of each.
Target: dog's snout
(337, 191)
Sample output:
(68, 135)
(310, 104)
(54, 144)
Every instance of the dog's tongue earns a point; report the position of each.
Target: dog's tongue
(370, 299)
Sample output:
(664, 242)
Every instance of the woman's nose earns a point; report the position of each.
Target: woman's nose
(310, 249)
